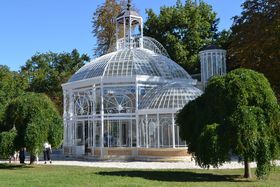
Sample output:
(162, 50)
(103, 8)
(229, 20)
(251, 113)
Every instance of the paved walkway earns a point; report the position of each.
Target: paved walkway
(142, 165)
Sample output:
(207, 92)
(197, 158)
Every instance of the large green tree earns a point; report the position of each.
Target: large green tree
(46, 72)
(183, 30)
(36, 120)
(255, 39)
(11, 86)
(237, 115)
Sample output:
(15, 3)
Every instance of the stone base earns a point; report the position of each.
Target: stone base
(137, 154)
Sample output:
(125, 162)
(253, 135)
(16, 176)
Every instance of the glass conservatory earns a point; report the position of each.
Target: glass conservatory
(123, 104)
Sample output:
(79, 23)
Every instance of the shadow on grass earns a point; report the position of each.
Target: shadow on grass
(13, 166)
(175, 176)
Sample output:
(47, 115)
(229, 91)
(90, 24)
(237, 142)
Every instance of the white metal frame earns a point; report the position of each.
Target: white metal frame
(116, 94)
(213, 62)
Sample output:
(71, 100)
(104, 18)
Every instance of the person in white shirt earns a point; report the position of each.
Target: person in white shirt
(47, 152)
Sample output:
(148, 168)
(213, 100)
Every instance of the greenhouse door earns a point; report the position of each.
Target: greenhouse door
(82, 138)
(119, 133)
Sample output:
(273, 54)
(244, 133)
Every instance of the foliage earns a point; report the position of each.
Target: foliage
(237, 115)
(183, 30)
(35, 131)
(55, 135)
(7, 143)
(11, 86)
(104, 26)
(223, 39)
(255, 39)
(46, 72)
(35, 117)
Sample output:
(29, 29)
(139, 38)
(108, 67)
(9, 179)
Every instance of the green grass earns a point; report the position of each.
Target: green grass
(40, 175)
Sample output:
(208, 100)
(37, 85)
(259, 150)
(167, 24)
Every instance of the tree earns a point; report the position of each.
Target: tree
(183, 29)
(7, 143)
(223, 39)
(255, 39)
(237, 115)
(11, 86)
(36, 120)
(104, 26)
(46, 72)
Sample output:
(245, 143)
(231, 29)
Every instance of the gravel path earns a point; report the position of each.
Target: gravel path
(142, 165)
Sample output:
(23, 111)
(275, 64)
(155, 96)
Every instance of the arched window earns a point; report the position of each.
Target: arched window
(119, 101)
(165, 131)
(82, 105)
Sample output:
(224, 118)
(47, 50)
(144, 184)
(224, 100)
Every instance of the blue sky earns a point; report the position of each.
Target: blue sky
(31, 26)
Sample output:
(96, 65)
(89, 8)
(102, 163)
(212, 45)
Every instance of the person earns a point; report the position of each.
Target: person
(47, 152)
(13, 157)
(16, 156)
(10, 158)
(21, 155)
(37, 158)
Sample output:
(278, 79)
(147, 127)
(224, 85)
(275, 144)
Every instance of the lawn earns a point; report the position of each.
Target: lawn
(40, 175)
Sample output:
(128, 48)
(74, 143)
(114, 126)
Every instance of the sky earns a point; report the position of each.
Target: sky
(31, 26)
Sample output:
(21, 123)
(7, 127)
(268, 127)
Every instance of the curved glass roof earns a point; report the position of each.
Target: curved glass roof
(129, 62)
(170, 96)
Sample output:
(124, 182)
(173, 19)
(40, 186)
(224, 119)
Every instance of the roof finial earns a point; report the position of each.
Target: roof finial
(128, 5)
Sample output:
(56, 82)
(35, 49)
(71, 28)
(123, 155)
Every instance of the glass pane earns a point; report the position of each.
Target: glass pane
(79, 133)
(97, 133)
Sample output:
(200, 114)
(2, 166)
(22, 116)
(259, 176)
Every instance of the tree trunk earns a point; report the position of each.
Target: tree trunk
(32, 158)
(247, 169)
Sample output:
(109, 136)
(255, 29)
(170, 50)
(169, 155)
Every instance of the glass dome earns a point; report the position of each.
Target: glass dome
(131, 62)
(170, 96)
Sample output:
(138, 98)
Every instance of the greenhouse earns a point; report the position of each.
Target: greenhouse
(123, 104)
